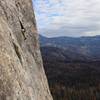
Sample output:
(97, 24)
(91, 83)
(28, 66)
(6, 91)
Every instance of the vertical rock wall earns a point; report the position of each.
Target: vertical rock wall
(22, 75)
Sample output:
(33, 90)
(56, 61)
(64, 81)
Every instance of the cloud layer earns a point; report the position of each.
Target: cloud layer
(68, 17)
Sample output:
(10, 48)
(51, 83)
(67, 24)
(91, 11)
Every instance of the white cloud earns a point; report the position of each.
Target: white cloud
(68, 17)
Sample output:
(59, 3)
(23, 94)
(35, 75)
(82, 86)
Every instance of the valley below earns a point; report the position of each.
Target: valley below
(72, 67)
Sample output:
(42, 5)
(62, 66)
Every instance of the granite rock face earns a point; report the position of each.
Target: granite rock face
(22, 76)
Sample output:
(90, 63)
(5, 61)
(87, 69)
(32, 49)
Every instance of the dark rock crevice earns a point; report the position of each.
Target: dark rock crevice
(22, 30)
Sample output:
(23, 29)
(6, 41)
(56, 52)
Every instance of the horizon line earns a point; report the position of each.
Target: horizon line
(67, 36)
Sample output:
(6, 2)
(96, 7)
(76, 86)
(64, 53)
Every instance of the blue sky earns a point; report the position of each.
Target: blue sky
(67, 17)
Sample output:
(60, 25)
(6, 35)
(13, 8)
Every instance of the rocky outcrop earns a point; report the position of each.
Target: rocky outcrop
(22, 75)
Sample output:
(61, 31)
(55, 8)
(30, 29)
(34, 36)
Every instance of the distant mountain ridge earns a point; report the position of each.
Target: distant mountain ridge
(86, 46)
(70, 40)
